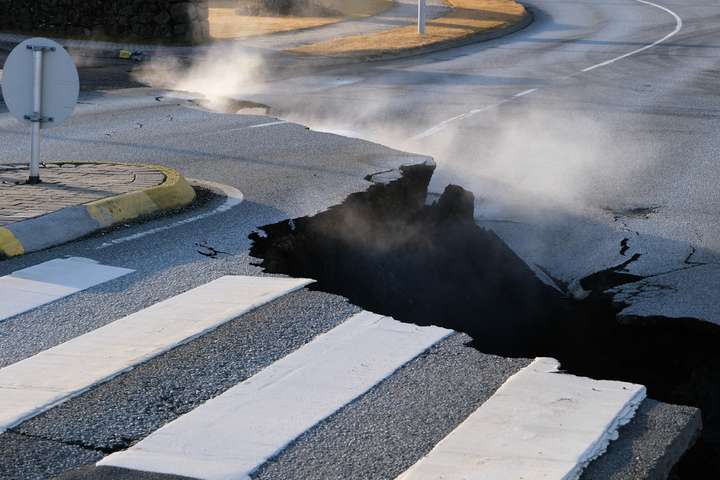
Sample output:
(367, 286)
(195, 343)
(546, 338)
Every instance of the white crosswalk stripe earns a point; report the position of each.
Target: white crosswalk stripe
(35, 286)
(233, 434)
(52, 376)
(539, 425)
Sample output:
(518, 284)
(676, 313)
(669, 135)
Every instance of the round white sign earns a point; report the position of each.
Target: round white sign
(60, 83)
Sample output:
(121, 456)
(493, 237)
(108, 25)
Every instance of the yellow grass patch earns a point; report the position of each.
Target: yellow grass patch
(469, 17)
(225, 23)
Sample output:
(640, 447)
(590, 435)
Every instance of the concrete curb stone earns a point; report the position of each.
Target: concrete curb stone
(77, 221)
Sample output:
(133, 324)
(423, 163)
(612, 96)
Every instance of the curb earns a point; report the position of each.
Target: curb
(78, 221)
(340, 60)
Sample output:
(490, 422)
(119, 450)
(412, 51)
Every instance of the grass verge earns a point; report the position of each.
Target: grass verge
(226, 23)
(468, 18)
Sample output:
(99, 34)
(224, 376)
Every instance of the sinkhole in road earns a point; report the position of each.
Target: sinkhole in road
(390, 253)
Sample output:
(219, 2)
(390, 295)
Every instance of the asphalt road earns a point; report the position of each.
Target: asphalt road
(564, 174)
(568, 165)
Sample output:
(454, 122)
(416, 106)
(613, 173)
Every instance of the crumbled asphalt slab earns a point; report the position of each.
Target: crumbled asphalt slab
(650, 445)
(201, 272)
(116, 414)
(391, 427)
(432, 265)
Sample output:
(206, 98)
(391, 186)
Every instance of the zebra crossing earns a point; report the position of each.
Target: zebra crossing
(34, 286)
(235, 433)
(35, 384)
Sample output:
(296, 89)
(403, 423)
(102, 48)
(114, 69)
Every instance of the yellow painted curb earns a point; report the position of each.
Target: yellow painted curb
(9, 245)
(174, 192)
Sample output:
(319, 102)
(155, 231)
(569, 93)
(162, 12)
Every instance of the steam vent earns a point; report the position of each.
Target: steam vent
(174, 21)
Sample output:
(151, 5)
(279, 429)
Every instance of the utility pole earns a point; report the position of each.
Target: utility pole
(421, 17)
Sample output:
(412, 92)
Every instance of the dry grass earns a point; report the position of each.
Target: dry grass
(469, 17)
(225, 23)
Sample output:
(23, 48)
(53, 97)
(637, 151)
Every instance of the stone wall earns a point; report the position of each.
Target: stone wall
(184, 21)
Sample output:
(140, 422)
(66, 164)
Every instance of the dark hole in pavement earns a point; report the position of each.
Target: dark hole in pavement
(388, 252)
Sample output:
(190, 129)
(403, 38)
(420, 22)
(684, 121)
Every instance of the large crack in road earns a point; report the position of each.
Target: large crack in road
(390, 253)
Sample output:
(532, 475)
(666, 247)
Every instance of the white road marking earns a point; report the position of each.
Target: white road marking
(539, 424)
(678, 27)
(442, 125)
(233, 434)
(234, 197)
(526, 92)
(269, 124)
(32, 287)
(245, 127)
(42, 381)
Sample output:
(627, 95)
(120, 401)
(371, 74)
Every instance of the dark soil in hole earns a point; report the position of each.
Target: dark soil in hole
(388, 252)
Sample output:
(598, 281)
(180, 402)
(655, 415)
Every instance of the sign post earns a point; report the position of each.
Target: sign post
(40, 86)
(36, 116)
(421, 16)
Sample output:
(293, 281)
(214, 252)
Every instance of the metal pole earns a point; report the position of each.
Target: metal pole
(421, 17)
(37, 117)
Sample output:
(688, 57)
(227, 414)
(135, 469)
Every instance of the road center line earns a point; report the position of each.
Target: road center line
(678, 27)
(442, 125)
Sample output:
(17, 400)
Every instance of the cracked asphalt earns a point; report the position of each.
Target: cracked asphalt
(578, 171)
(641, 132)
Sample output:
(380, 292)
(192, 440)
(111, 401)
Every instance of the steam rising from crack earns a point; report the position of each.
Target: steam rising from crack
(516, 158)
(222, 73)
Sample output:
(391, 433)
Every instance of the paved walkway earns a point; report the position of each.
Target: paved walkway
(402, 14)
(67, 185)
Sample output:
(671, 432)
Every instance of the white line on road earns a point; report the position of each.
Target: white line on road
(678, 27)
(32, 287)
(442, 125)
(539, 424)
(231, 435)
(526, 92)
(269, 124)
(234, 197)
(51, 377)
(244, 127)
